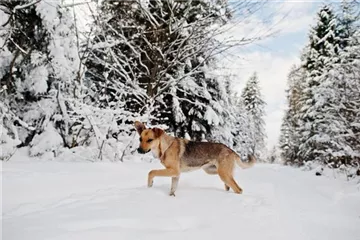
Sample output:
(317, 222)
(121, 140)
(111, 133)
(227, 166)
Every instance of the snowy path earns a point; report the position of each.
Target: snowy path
(54, 200)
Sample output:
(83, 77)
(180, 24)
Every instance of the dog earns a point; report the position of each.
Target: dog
(179, 155)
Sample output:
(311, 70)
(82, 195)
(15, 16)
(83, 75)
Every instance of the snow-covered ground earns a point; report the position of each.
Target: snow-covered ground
(83, 200)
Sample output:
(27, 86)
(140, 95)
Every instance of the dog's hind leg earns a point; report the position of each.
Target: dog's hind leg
(212, 170)
(230, 183)
(225, 170)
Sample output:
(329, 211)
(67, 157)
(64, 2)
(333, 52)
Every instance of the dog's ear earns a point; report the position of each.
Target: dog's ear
(157, 132)
(139, 127)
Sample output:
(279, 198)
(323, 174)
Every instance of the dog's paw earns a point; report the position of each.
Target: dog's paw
(240, 191)
(150, 184)
(172, 194)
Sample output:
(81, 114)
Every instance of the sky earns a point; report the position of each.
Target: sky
(273, 56)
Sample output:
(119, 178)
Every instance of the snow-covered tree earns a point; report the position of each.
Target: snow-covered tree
(254, 105)
(235, 130)
(44, 94)
(153, 56)
(39, 39)
(319, 122)
(289, 136)
(243, 130)
(313, 118)
(286, 138)
(323, 44)
(346, 79)
(348, 21)
(273, 155)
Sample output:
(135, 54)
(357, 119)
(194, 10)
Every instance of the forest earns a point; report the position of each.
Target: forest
(64, 87)
(322, 121)
(69, 88)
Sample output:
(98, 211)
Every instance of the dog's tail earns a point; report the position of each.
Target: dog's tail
(250, 163)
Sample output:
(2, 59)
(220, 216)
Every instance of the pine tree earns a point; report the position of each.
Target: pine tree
(321, 54)
(323, 44)
(289, 137)
(348, 21)
(346, 78)
(285, 139)
(324, 116)
(323, 96)
(254, 105)
(273, 156)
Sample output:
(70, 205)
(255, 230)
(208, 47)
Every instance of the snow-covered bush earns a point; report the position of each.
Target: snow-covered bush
(47, 141)
(347, 172)
(8, 144)
(9, 135)
(109, 132)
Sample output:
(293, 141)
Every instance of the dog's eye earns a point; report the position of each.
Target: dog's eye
(150, 140)
(140, 139)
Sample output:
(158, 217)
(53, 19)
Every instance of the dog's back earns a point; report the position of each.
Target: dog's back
(197, 154)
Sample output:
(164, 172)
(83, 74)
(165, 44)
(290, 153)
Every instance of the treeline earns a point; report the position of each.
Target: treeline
(63, 87)
(322, 121)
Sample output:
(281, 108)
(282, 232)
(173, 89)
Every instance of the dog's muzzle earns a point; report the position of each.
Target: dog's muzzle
(140, 150)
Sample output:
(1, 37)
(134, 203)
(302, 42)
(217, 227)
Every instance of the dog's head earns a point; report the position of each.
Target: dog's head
(149, 137)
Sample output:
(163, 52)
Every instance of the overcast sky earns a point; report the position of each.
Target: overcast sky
(273, 57)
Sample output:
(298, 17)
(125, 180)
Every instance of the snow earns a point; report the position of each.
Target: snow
(7, 143)
(211, 117)
(36, 80)
(102, 200)
(6, 56)
(62, 46)
(48, 141)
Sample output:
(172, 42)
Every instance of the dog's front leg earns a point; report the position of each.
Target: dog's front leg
(174, 184)
(168, 172)
(150, 180)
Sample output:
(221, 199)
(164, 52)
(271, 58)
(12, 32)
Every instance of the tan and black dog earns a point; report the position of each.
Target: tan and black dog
(181, 155)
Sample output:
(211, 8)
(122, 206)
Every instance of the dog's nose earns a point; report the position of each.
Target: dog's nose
(140, 150)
